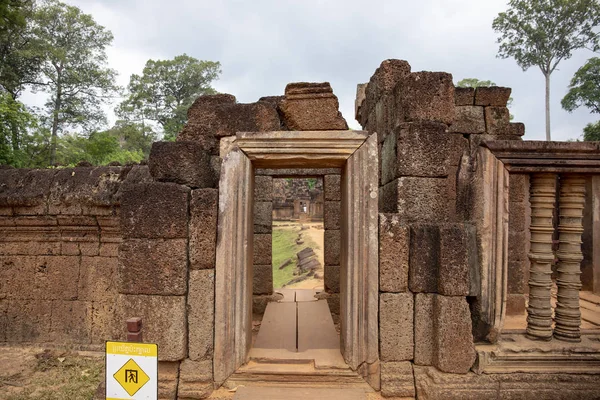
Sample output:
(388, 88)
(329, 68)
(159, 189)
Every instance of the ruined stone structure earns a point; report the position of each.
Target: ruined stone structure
(443, 227)
(293, 199)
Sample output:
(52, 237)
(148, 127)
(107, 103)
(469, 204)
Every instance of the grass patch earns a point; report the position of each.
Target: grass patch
(284, 247)
(60, 378)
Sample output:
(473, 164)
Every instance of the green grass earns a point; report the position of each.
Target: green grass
(284, 247)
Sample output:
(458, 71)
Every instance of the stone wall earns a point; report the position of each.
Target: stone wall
(428, 132)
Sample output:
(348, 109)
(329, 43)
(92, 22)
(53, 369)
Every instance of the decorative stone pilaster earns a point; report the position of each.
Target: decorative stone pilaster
(539, 311)
(570, 228)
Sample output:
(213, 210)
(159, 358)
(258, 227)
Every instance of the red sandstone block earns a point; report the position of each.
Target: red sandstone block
(262, 248)
(497, 120)
(263, 188)
(453, 279)
(331, 245)
(262, 279)
(332, 278)
(426, 96)
(332, 215)
(469, 119)
(424, 258)
(98, 279)
(311, 106)
(200, 306)
(492, 96)
(332, 187)
(263, 215)
(394, 239)
(204, 211)
(184, 163)
(464, 96)
(384, 80)
(396, 326)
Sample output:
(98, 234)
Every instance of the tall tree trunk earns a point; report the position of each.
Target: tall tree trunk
(54, 143)
(16, 142)
(547, 75)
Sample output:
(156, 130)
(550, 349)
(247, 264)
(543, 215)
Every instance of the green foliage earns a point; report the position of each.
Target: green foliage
(15, 121)
(584, 89)
(473, 83)
(99, 148)
(73, 70)
(165, 91)
(591, 132)
(542, 33)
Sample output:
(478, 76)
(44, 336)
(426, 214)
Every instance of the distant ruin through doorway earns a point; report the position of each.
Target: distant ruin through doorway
(355, 152)
(297, 234)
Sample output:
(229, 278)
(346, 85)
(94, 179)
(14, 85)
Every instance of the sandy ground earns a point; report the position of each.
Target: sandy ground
(316, 235)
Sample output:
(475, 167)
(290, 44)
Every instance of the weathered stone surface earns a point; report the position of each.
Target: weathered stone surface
(454, 339)
(361, 96)
(156, 210)
(26, 188)
(153, 266)
(394, 239)
(262, 248)
(516, 304)
(516, 129)
(518, 271)
(195, 380)
(518, 216)
(98, 278)
(517, 244)
(263, 188)
(332, 187)
(424, 258)
(331, 214)
(420, 149)
(200, 304)
(41, 277)
(424, 329)
(497, 121)
(331, 244)
(332, 278)
(220, 116)
(426, 96)
(164, 322)
(383, 82)
(418, 199)
(204, 210)
(185, 163)
(453, 277)
(301, 172)
(168, 375)
(311, 107)
(397, 379)
(396, 326)
(71, 322)
(263, 214)
(519, 188)
(26, 320)
(469, 119)
(263, 279)
(492, 96)
(107, 322)
(464, 96)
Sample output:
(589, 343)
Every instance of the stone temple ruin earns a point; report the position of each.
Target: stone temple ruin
(460, 261)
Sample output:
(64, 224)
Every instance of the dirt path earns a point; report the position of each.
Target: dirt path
(314, 233)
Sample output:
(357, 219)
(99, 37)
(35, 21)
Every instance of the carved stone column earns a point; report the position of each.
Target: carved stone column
(570, 228)
(539, 311)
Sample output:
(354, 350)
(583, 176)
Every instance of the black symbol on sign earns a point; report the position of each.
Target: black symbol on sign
(131, 375)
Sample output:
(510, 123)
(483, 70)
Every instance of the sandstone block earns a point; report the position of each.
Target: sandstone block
(426, 96)
(361, 96)
(153, 266)
(27, 320)
(263, 216)
(200, 304)
(516, 129)
(424, 329)
(263, 279)
(168, 375)
(98, 278)
(184, 163)
(332, 278)
(418, 199)
(394, 240)
(397, 379)
(262, 248)
(154, 211)
(331, 214)
(492, 96)
(107, 323)
(71, 322)
(464, 96)
(518, 216)
(212, 116)
(195, 380)
(164, 322)
(204, 209)
(263, 188)
(518, 245)
(41, 277)
(516, 304)
(26, 188)
(454, 338)
(469, 119)
(518, 188)
(384, 80)
(332, 188)
(396, 339)
(518, 271)
(331, 244)
(424, 258)
(497, 120)
(453, 277)
(311, 107)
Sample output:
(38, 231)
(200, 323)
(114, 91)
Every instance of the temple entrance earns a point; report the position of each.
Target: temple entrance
(240, 223)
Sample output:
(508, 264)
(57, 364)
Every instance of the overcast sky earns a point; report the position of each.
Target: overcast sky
(263, 45)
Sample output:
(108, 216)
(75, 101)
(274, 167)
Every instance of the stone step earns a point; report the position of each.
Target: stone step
(294, 393)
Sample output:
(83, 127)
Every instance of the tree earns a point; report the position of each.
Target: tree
(73, 70)
(15, 121)
(166, 89)
(474, 83)
(591, 132)
(584, 89)
(542, 33)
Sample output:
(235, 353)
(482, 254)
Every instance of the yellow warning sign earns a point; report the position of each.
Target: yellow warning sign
(131, 377)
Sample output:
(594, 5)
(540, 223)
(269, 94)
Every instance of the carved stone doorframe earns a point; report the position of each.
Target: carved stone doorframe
(356, 153)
